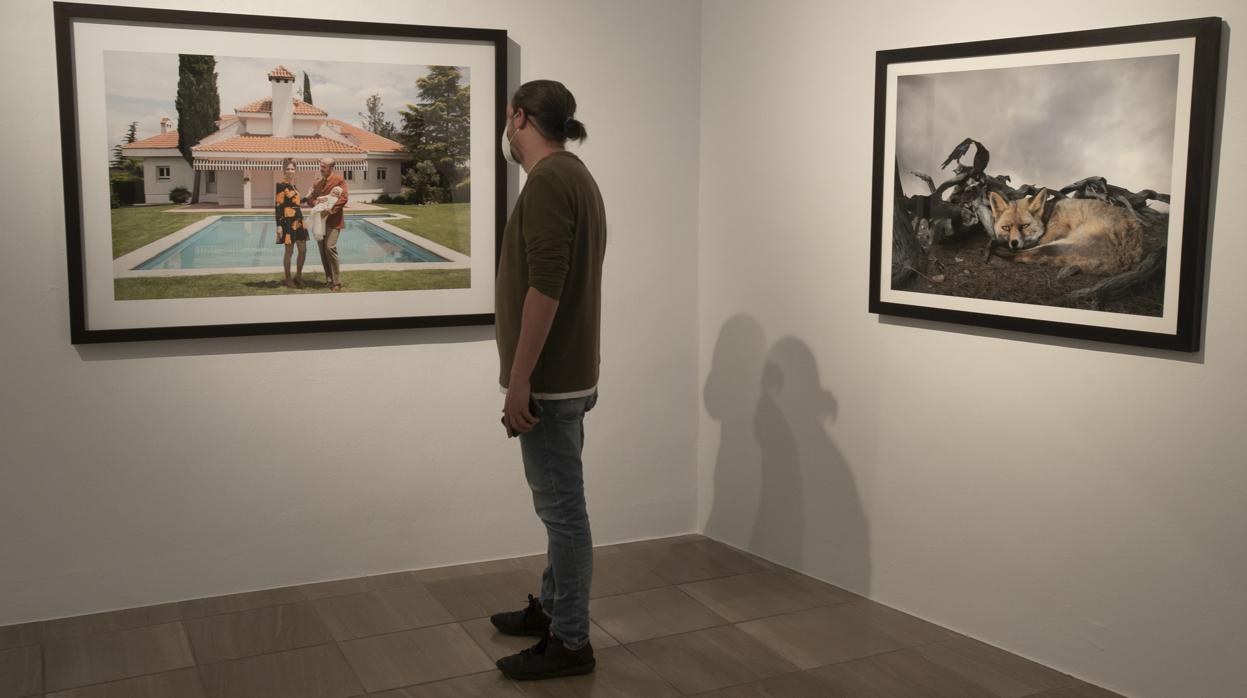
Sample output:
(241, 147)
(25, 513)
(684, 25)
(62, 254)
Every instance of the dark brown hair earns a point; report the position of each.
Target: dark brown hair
(552, 107)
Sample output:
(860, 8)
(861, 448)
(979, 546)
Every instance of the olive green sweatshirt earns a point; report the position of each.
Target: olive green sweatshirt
(554, 242)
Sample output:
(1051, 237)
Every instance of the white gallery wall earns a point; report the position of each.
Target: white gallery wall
(1080, 504)
(141, 473)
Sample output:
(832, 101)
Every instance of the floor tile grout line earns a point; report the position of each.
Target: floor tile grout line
(303, 598)
(300, 588)
(478, 644)
(223, 613)
(354, 593)
(456, 677)
(746, 620)
(296, 648)
(306, 598)
(195, 665)
(190, 644)
(297, 587)
(192, 667)
(786, 673)
(962, 637)
(325, 621)
(607, 632)
(1080, 683)
(359, 680)
(337, 642)
(652, 670)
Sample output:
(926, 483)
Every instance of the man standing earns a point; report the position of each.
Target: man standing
(548, 308)
(334, 220)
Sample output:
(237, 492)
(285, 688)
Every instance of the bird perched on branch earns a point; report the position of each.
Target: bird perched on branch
(981, 155)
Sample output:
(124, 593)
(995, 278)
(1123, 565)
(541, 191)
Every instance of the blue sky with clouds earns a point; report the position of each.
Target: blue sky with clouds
(142, 86)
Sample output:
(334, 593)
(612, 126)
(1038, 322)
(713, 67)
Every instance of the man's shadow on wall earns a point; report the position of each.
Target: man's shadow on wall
(782, 489)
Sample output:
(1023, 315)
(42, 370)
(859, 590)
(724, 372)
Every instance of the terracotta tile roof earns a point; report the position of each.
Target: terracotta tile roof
(367, 139)
(160, 140)
(265, 105)
(281, 72)
(271, 144)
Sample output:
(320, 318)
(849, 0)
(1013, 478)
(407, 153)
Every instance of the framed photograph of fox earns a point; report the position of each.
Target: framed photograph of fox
(1055, 184)
(230, 174)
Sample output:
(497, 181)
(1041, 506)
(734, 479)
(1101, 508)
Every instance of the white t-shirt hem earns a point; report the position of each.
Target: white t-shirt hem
(558, 396)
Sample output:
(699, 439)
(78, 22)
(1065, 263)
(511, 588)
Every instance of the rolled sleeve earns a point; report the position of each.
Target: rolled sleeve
(548, 224)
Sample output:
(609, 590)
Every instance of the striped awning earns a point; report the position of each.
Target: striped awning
(275, 163)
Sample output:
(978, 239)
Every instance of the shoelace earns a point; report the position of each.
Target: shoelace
(539, 648)
(532, 604)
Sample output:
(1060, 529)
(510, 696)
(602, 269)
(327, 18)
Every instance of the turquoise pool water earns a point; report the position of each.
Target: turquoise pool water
(248, 241)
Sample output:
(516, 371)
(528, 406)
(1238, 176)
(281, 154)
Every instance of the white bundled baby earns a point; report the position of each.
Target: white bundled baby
(316, 222)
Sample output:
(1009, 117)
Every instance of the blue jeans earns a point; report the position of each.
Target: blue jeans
(556, 476)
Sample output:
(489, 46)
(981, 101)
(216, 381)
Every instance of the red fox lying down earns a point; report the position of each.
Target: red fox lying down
(1093, 236)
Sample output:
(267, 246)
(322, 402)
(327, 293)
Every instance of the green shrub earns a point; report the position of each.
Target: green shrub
(179, 195)
(126, 189)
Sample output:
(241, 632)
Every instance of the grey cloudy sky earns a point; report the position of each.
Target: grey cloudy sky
(1049, 124)
(142, 86)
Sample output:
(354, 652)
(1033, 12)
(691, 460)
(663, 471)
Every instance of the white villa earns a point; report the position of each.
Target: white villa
(242, 160)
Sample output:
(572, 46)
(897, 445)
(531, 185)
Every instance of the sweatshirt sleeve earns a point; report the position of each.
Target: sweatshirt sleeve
(548, 225)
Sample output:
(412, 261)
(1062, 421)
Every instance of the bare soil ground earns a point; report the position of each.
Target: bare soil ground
(960, 262)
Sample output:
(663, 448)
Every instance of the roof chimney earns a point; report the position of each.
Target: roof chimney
(283, 101)
(165, 124)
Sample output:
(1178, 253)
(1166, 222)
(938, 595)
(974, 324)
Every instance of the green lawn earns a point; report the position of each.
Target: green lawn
(445, 224)
(220, 285)
(135, 226)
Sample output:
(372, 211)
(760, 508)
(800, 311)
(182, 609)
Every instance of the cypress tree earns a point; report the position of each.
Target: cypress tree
(198, 104)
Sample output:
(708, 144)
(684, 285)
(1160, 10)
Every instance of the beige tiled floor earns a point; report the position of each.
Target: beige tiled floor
(671, 617)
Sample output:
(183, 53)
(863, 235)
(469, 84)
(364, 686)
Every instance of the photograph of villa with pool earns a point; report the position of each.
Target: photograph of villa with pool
(213, 160)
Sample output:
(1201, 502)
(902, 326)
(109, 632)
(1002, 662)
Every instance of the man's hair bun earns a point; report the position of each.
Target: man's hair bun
(574, 130)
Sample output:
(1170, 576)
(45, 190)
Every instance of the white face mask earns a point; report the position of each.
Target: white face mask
(506, 144)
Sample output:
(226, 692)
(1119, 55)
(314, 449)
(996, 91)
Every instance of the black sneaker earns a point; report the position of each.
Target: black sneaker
(532, 620)
(548, 659)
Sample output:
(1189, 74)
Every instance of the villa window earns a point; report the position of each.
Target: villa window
(380, 173)
(364, 173)
(349, 175)
(210, 187)
(162, 172)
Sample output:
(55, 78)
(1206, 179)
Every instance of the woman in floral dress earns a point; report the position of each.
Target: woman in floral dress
(290, 230)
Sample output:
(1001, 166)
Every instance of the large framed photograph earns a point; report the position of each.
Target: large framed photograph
(1055, 184)
(233, 175)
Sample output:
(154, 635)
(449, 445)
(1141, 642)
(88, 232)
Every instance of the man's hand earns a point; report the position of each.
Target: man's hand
(515, 413)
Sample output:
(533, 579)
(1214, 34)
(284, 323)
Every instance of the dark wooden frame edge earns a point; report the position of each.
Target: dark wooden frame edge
(1205, 85)
(64, 13)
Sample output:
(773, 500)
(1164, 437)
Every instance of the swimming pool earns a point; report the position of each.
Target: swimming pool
(234, 242)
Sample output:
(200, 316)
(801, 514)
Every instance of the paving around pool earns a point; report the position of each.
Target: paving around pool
(246, 245)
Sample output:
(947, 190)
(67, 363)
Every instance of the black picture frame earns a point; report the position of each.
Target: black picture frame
(1203, 113)
(66, 13)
